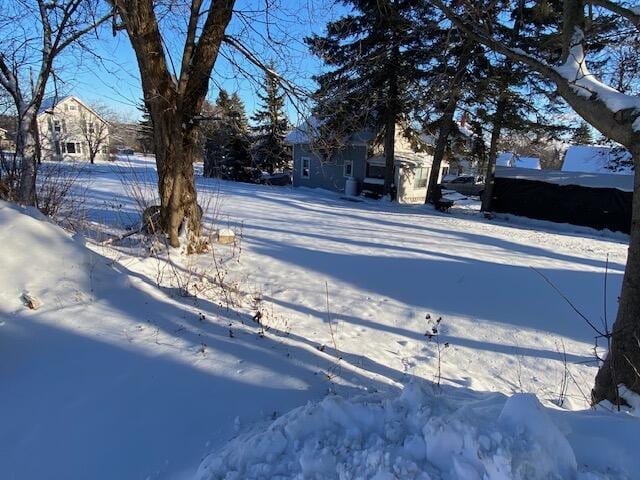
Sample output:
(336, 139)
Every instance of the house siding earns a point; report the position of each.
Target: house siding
(328, 175)
(71, 114)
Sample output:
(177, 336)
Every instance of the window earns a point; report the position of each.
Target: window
(87, 127)
(306, 167)
(57, 146)
(375, 171)
(64, 147)
(348, 168)
(72, 106)
(71, 147)
(64, 126)
(56, 126)
(422, 177)
(105, 149)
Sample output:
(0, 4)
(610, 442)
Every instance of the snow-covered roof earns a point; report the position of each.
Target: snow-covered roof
(50, 102)
(593, 180)
(510, 159)
(597, 159)
(309, 128)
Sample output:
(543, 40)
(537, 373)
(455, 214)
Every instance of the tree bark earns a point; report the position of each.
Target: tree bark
(441, 144)
(490, 175)
(174, 103)
(176, 181)
(389, 154)
(390, 125)
(622, 364)
(27, 153)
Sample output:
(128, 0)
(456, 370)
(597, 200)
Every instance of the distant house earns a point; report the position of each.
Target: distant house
(360, 163)
(71, 130)
(7, 144)
(597, 159)
(510, 159)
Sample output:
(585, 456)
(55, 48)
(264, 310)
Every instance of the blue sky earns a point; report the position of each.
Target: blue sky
(113, 79)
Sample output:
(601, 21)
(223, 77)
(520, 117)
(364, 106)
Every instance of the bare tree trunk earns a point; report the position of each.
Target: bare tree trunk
(622, 365)
(390, 127)
(441, 144)
(490, 174)
(27, 151)
(174, 102)
(389, 153)
(176, 181)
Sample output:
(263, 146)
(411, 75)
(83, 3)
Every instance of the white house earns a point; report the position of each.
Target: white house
(510, 159)
(597, 159)
(71, 130)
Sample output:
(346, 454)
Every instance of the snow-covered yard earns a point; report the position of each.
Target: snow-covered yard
(115, 377)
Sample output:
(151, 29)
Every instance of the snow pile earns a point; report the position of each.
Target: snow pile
(25, 264)
(419, 435)
(598, 159)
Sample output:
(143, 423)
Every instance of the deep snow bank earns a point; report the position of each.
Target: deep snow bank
(419, 435)
(40, 259)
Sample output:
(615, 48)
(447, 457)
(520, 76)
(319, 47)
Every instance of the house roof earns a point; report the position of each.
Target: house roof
(597, 159)
(50, 103)
(593, 180)
(510, 159)
(308, 130)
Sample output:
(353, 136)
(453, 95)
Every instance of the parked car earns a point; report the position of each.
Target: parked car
(466, 185)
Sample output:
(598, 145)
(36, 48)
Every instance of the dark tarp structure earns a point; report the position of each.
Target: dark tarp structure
(576, 204)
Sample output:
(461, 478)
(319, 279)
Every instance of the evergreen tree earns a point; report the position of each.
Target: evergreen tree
(376, 54)
(229, 146)
(271, 153)
(582, 135)
(145, 131)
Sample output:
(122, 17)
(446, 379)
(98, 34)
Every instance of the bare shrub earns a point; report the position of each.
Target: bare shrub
(9, 176)
(55, 183)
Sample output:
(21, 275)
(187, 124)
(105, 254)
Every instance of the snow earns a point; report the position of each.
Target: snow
(422, 434)
(509, 159)
(597, 159)
(120, 375)
(593, 180)
(586, 84)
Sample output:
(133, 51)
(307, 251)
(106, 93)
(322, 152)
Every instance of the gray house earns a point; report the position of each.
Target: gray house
(357, 159)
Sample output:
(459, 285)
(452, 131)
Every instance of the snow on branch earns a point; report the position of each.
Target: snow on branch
(575, 71)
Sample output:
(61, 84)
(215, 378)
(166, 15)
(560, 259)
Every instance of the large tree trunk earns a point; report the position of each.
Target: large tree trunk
(176, 182)
(27, 153)
(622, 365)
(174, 102)
(490, 174)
